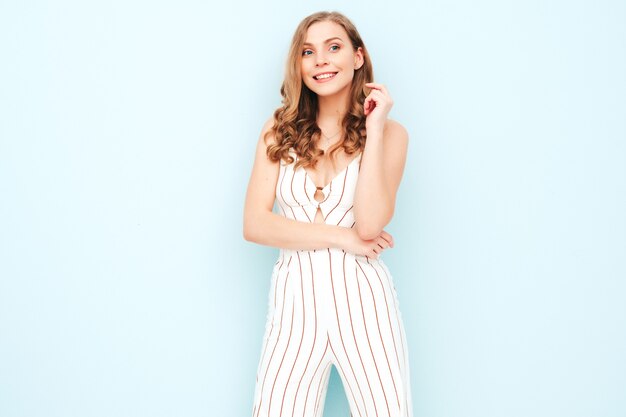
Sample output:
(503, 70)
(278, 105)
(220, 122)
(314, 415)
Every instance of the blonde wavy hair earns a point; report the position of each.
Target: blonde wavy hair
(295, 125)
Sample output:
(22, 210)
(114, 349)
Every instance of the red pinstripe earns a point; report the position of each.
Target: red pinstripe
(306, 399)
(371, 351)
(275, 289)
(343, 189)
(345, 378)
(393, 336)
(356, 345)
(380, 334)
(404, 357)
(280, 190)
(296, 200)
(280, 329)
(344, 215)
(269, 408)
(295, 361)
(320, 388)
(314, 338)
(341, 336)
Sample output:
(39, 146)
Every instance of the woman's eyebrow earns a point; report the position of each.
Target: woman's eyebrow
(326, 41)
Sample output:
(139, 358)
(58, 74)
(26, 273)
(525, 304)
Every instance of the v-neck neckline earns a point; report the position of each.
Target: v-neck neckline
(335, 177)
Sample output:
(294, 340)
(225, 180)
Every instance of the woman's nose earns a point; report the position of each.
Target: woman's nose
(321, 59)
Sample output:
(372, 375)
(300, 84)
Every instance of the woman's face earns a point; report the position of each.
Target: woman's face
(328, 60)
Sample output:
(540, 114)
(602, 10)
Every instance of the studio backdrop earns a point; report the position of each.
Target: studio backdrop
(127, 136)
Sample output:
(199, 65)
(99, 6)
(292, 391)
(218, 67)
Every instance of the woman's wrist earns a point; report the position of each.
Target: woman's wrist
(375, 131)
(340, 237)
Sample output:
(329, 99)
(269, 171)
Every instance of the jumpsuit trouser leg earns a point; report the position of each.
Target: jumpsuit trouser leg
(327, 307)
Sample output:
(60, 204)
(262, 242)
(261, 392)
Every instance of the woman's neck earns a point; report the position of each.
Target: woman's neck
(331, 110)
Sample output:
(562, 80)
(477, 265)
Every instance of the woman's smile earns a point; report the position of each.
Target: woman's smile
(324, 77)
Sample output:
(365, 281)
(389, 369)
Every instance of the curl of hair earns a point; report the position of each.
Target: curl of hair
(295, 126)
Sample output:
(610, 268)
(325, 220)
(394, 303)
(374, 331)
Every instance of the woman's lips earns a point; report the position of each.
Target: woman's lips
(325, 77)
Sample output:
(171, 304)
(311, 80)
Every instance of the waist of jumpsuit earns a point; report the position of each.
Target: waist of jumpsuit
(334, 255)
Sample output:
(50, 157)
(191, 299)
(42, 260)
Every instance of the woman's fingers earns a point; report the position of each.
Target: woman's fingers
(376, 95)
(387, 237)
(373, 248)
(377, 86)
(377, 98)
(379, 90)
(369, 104)
(378, 245)
(372, 254)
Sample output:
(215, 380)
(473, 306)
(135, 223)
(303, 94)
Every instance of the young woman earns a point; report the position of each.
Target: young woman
(333, 162)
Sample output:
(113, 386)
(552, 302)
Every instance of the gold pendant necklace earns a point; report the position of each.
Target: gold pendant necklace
(330, 137)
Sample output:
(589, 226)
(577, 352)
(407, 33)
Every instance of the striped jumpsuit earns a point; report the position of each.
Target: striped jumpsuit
(330, 307)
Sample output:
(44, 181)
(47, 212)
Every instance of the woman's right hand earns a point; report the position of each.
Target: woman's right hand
(371, 248)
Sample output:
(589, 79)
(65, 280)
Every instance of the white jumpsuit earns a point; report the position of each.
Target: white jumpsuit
(330, 307)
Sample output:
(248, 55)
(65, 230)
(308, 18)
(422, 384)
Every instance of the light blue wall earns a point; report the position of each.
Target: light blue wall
(127, 131)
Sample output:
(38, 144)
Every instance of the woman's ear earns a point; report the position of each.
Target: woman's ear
(358, 58)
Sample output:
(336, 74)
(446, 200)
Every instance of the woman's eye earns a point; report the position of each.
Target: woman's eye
(307, 52)
(336, 47)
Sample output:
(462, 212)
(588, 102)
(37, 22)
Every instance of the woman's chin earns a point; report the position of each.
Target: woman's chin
(323, 91)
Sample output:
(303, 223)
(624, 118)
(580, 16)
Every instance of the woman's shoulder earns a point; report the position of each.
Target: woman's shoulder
(393, 128)
(395, 134)
(267, 136)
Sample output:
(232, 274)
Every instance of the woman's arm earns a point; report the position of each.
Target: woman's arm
(261, 225)
(382, 165)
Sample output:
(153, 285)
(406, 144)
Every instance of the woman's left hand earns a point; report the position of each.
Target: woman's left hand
(376, 106)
